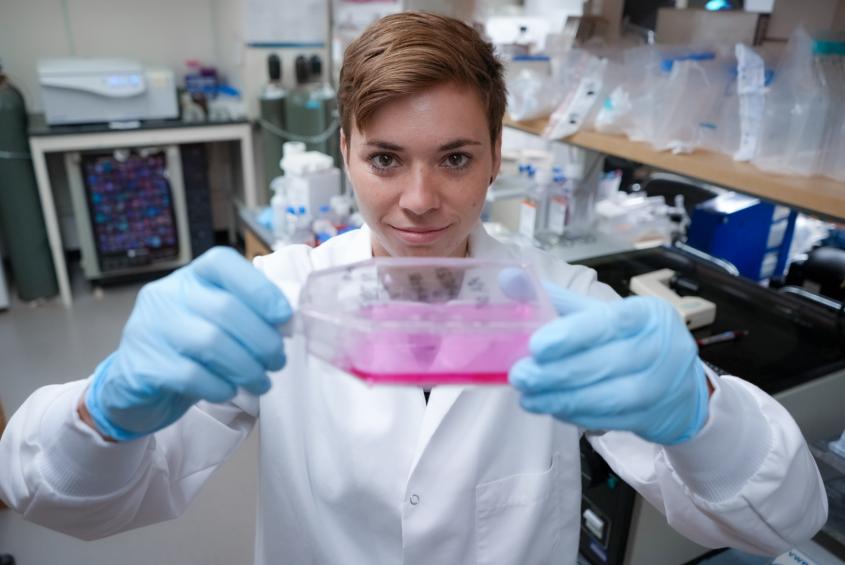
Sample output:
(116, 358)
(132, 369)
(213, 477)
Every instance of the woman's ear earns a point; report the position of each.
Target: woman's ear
(497, 157)
(344, 147)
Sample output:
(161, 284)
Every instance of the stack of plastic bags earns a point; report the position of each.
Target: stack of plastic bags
(788, 118)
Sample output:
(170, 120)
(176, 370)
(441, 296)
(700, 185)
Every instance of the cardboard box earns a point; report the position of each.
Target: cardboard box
(814, 15)
(694, 26)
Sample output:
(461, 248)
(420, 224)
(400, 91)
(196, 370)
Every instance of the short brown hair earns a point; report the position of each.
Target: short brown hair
(408, 52)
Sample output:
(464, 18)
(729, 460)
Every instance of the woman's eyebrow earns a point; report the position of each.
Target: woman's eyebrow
(445, 147)
(457, 143)
(384, 145)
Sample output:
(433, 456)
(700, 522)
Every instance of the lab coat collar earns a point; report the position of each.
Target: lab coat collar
(484, 246)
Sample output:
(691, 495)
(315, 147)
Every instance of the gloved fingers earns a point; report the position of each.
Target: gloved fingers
(590, 328)
(517, 284)
(234, 318)
(608, 361)
(567, 302)
(223, 356)
(191, 379)
(605, 405)
(225, 268)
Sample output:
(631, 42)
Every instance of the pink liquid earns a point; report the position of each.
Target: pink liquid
(420, 379)
(434, 347)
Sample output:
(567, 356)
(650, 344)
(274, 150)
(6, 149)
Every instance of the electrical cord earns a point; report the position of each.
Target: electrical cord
(290, 136)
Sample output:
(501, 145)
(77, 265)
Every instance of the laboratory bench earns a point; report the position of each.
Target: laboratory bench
(258, 240)
(44, 139)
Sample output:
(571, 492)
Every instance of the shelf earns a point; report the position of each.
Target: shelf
(819, 195)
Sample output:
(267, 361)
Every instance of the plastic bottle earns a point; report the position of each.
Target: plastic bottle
(302, 227)
(323, 228)
(580, 214)
(557, 212)
(532, 212)
(341, 209)
(279, 205)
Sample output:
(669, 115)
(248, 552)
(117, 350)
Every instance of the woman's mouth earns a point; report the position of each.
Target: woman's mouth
(412, 235)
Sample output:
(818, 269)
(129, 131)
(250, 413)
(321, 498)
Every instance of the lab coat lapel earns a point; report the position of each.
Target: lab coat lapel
(444, 399)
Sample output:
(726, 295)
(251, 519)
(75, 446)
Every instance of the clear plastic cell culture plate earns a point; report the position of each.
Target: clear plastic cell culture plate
(423, 321)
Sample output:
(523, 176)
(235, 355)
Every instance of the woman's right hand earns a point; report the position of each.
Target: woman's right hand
(199, 333)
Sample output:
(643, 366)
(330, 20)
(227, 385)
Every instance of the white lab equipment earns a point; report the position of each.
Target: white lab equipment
(423, 321)
(636, 218)
(78, 90)
(311, 179)
(695, 311)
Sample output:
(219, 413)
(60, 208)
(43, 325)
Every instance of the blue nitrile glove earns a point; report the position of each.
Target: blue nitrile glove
(197, 334)
(625, 365)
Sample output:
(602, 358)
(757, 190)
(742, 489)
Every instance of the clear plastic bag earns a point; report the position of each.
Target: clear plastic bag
(831, 61)
(690, 85)
(581, 76)
(532, 94)
(796, 113)
(719, 126)
(834, 159)
(751, 90)
(613, 111)
(642, 91)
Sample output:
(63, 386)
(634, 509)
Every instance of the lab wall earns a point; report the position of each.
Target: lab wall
(155, 32)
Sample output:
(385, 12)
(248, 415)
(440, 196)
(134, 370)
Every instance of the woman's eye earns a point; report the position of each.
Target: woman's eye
(457, 160)
(383, 161)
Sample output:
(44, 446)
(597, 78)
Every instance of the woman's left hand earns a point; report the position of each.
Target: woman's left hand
(624, 365)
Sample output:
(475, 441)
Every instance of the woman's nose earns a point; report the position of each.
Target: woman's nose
(420, 194)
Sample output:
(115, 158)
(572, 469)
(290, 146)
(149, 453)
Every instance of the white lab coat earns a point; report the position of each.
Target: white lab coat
(357, 475)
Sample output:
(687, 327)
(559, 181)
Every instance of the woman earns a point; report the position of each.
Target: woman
(351, 474)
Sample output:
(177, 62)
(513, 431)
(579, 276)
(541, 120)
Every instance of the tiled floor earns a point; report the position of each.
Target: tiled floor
(51, 344)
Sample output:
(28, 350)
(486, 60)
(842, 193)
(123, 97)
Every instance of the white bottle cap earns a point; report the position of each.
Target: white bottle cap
(300, 164)
(292, 148)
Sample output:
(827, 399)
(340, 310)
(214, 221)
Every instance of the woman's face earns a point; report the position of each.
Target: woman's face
(421, 170)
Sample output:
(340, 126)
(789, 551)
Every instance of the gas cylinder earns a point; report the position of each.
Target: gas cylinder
(20, 206)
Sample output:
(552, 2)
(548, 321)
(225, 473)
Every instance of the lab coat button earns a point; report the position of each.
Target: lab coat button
(415, 499)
